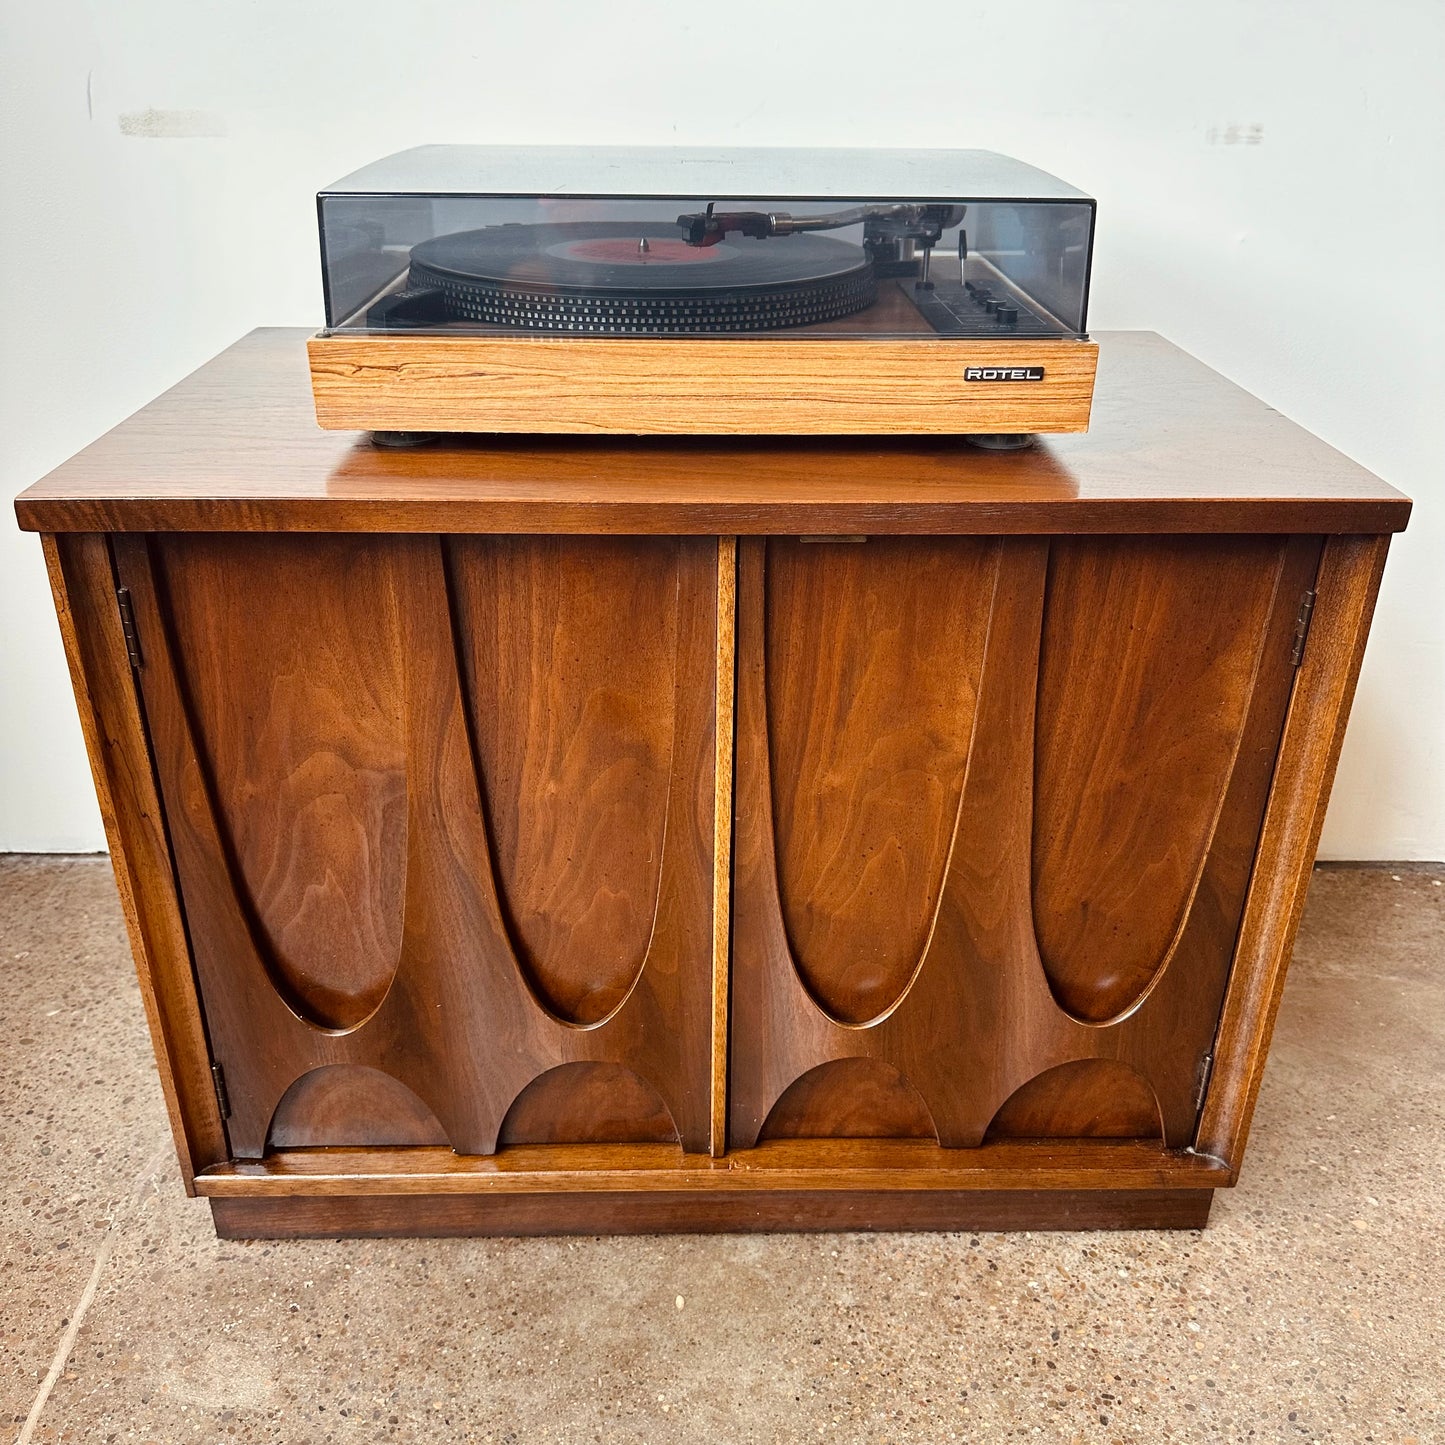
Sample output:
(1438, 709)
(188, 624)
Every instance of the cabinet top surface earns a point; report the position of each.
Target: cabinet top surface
(1172, 446)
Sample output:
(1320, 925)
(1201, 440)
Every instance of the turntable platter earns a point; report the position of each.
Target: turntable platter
(615, 278)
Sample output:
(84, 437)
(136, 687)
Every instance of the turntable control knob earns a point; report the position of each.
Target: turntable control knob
(991, 306)
(1007, 315)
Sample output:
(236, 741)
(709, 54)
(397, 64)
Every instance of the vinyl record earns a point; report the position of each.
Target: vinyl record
(619, 279)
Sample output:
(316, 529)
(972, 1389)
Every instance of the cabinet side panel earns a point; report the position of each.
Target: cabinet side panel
(1347, 586)
(83, 583)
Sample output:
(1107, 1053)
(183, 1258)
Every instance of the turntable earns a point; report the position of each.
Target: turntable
(481, 289)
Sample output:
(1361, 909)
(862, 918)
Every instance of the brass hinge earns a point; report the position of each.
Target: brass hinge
(1206, 1068)
(1302, 627)
(127, 627)
(223, 1099)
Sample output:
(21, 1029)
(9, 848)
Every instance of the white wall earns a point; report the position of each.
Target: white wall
(1304, 263)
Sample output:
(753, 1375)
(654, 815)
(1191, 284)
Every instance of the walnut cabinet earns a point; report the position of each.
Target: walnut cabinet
(548, 837)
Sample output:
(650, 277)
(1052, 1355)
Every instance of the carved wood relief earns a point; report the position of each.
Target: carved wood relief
(996, 806)
(442, 817)
(870, 713)
(442, 811)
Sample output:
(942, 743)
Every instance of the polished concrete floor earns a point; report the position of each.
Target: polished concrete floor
(1311, 1309)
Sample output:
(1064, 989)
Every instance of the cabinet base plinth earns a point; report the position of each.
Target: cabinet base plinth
(781, 1211)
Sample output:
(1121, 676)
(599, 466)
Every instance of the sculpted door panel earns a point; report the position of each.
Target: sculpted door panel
(295, 669)
(569, 650)
(870, 711)
(1087, 1099)
(342, 1105)
(1146, 672)
(442, 815)
(996, 808)
(858, 1098)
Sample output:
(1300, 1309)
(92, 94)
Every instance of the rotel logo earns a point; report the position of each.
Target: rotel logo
(1003, 373)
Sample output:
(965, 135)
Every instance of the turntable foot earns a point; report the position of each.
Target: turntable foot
(401, 440)
(996, 441)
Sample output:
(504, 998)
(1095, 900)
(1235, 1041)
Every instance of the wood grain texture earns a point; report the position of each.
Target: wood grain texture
(391, 1217)
(569, 663)
(1146, 672)
(858, 1098)
(717, 385)
(588, 1103)
(977, 1018)
(351, 1104)
(722, 840)
(1172, 447)
(834, 1164)
(1347, 586)
(446, 821)
(83, 583)
(870, 700)
(460, 1022)
(292, 657)
(1087, 1099)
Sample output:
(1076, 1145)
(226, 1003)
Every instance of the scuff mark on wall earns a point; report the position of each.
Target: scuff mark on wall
(152, 124)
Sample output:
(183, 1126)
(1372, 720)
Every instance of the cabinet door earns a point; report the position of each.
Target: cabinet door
(442, 816)
(997, 802)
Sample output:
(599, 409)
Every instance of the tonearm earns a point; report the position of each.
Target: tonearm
(891, 233)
